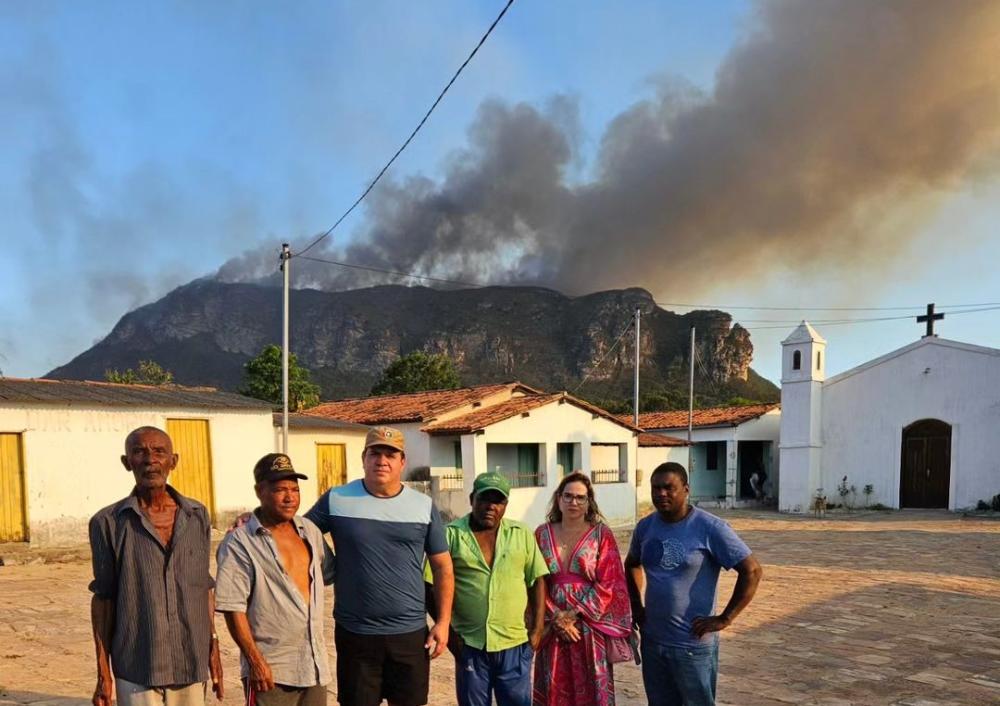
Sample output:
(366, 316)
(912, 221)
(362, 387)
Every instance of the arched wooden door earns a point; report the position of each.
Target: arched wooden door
(925, 475)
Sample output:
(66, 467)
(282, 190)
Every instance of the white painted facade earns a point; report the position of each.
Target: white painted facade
(649, 458)
(852, 424)
(722, 485)
(72, 466)
(302, 450)
(548, 426)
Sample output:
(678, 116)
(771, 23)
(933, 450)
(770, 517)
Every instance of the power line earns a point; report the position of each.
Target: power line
(921, 307)
(779, 323)
(413, 134)
(792, 322)
(604, 357)
(427, 278)
(845, 322)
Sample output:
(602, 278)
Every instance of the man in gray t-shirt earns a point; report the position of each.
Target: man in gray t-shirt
(678, 552)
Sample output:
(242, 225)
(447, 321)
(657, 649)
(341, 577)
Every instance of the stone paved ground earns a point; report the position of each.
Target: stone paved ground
(900, 608)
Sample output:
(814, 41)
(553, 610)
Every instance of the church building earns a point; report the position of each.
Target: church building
(920, 425)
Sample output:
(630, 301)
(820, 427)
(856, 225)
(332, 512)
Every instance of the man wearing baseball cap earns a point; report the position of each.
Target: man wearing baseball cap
(382, 530)
(498, 572)
(271, 572)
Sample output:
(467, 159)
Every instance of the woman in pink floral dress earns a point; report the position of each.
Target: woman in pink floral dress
(587, 601)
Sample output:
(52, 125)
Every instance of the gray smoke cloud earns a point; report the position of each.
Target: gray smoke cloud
(827, 119)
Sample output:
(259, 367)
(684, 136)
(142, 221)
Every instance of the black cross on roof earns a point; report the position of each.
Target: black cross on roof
(930, 317)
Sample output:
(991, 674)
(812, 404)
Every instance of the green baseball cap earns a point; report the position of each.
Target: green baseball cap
(491, 481)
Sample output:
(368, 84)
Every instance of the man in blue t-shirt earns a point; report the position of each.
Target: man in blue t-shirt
(677, 552)
(381, 532)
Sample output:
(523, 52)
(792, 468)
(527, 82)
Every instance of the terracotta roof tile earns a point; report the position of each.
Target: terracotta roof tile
(412, 407)
(482, 418)
(711, 417)
(647, 440)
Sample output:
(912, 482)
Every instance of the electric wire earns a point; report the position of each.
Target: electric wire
(604, 357)
(409, 139)
(727, 307)
(844, 322)
(778, 323)
(397, 273)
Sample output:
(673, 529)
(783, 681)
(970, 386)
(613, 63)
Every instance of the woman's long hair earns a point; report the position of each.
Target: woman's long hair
(593, 515)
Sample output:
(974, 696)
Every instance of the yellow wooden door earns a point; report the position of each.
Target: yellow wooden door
(193, 475)
(13, 527)
(331, 466)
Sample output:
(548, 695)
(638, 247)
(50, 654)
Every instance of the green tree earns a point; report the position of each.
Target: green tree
(262, 379)
(149, 372)
(416, 372)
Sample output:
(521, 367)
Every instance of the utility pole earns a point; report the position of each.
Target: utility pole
(691, 402)
(635, 396)
(286, 256)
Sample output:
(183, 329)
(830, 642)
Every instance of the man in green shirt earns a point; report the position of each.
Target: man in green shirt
(499, 570)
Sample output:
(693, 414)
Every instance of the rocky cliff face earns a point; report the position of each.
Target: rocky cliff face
(206, 330)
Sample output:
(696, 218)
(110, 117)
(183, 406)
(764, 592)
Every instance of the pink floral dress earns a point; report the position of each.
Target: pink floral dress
(592, 584)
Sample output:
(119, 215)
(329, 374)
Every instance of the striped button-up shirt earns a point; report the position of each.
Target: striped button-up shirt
(162, 629)
(288, 630)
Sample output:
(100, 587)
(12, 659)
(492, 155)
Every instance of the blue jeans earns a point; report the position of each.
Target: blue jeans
(680, 676)
(507, 673)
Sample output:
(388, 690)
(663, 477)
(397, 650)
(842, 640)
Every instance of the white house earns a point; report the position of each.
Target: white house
(728, 445)
(326, 450)
(532, 437)
(918, 424)
(655, 449)
(61, 441)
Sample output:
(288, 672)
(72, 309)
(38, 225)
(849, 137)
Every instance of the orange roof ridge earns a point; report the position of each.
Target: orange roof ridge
(707, 417)
(481, 418)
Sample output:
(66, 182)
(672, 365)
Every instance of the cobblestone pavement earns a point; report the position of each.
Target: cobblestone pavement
(899, 608)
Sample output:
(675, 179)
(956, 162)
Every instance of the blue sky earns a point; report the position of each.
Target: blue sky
(146, 144)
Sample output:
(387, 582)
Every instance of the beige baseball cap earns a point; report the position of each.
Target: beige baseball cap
(386, 436)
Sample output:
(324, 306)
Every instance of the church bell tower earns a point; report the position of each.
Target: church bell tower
(803, 370)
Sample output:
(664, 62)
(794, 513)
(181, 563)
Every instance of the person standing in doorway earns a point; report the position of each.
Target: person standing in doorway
(271, 572)
(152, 610)
(678, 552)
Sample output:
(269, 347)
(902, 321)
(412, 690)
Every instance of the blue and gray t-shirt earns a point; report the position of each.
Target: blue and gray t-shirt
(682, 561)
(380, 545)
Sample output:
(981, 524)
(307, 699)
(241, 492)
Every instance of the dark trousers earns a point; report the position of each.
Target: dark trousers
(282, 695)
(479, 675)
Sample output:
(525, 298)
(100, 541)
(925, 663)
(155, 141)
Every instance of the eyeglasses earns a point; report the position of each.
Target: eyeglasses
(571, 499)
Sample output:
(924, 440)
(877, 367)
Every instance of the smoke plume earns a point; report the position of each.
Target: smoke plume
(827, 119)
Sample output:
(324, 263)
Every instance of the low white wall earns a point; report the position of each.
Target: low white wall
(72, 466)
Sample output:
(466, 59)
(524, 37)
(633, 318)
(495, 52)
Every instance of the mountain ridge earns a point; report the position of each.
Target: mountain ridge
(204, 332)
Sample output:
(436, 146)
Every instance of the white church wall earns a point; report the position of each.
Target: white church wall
(865, 410)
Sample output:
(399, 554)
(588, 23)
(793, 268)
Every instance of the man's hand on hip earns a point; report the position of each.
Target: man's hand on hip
(701, 625)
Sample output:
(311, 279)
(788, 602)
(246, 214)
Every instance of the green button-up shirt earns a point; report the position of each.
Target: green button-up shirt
(490, 603)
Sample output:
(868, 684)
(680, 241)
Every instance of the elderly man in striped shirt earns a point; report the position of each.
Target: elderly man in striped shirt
(152, 611)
